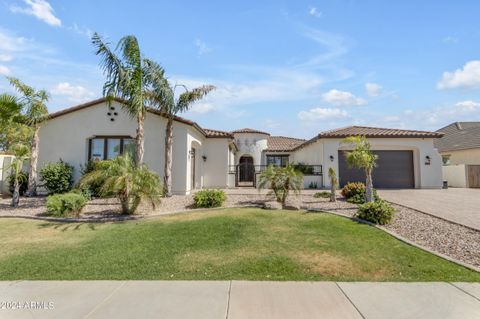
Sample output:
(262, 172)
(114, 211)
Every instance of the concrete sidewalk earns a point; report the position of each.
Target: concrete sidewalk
(237, 299)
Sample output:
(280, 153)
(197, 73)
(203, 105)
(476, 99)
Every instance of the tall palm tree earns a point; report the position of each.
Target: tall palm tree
(162, 96)
(362, 157)
(126, 79)
(35, 112)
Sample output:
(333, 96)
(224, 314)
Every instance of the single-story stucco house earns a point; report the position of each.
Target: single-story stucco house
(208, 158)
(460, 151)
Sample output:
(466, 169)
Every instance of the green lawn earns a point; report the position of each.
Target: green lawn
(223, 244)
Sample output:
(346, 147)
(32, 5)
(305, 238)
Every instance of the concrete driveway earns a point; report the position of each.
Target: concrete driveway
(237, 300)
(460, 205)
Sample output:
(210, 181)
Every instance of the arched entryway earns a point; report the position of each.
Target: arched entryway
(246, 171)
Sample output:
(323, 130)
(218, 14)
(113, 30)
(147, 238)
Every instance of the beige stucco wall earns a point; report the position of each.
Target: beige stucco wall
(426, 176)
(455, 175)
(217, 164)
(66, 137)
(469, 157)
(250, 144)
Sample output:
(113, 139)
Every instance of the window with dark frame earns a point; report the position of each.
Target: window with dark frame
(108, 147)
(277, 160)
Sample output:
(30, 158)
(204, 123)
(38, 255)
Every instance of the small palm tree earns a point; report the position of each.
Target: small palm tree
(162, 96)
(21, 153)
(333, 184)
(281, 180)
(12, 128)
(127, 76)
(130, 183)
(34, 112)
(362, 157)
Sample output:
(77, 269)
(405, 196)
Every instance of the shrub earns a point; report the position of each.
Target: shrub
(23, 181)
(65, 204)
(322, 195)
(353, 188)
(379, 212)
(57, 177)
(303, 168)
(84, 191)
(313, 185)
(355, 193)
(209, 198)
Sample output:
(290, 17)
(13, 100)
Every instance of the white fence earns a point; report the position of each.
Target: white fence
(455, 175)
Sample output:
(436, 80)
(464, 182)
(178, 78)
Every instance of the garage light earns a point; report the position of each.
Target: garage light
(331, 158)
(427, 160)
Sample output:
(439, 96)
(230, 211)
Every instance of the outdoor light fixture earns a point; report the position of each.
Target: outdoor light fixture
(204, 158)
(427, 160)
(331, 158)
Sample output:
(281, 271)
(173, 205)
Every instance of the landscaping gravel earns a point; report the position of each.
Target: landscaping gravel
(439, 235)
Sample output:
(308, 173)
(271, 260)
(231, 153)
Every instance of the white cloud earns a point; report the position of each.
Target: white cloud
(342, 98)
(73, 93)
(373, 89)
(41, 9)
(204, 108)
(81, 30)
(450, 39)
(202, 47)
(4, 70)
(271, 124)
(468, 77)
(319, 113)
(314, 12)
(11, 43)
(5, 57)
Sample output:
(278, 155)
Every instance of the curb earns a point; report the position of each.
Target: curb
(403, 239)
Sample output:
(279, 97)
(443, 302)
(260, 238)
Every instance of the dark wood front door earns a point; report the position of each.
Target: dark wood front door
(246, 169)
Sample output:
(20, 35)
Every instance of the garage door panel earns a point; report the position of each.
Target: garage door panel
(394, 170)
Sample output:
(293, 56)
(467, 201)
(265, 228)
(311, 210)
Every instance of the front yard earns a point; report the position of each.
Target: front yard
(245, 243)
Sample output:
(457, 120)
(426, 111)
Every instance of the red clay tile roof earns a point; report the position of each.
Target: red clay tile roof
(375, 132)
(372, 132)
(217, 133)
(249, 130)
(282, 143)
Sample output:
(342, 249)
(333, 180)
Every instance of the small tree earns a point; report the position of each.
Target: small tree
(362, 157)
(333, 184)
(281, 180)
(129, 183)
(21, 153)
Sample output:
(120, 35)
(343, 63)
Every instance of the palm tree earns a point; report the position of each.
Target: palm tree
(35, 112)
(130, 183)
(12, 129)
(362, 157)
(281, 180)
(162, 96)
(333, 184)
(21, 154)
(127, 75)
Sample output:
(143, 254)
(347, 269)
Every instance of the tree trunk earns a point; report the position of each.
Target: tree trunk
(333, 190)
(124, 203)
(32, 174)
(16, 193)
(167, 179)
(369, 187)
(140, 140)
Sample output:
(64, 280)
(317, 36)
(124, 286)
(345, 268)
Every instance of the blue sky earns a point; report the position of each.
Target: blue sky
(292, 68)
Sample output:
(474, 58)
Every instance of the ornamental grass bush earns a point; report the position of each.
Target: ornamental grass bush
(209, 198)
(62, 205)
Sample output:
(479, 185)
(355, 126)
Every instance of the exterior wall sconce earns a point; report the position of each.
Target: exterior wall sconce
(428, 160)
(331, 158)
(204, 158)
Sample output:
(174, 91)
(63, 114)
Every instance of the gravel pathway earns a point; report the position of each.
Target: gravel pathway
(439, 235)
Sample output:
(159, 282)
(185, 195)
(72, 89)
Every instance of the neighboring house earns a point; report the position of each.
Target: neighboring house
(206, 158)
(460, 151)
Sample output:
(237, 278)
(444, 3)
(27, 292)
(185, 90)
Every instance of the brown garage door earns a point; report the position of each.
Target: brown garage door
(394, 170)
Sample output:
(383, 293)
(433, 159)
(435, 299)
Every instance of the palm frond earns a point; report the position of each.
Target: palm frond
(186, 99)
